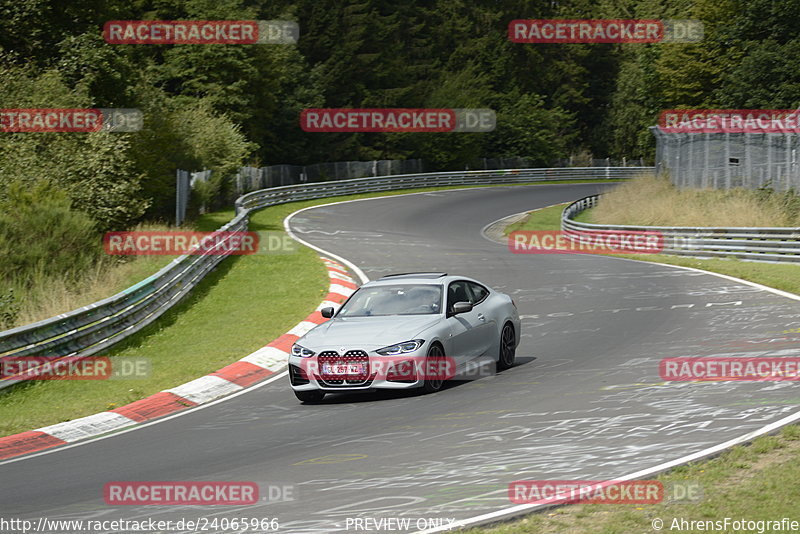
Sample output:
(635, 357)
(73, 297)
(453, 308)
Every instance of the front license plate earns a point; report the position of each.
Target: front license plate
(343, 368)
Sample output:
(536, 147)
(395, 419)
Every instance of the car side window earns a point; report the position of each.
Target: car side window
(479, 293)
(458, 292)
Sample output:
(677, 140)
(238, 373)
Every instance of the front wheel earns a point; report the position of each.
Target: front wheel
(508, 348)
(433, 381)
(313, 395)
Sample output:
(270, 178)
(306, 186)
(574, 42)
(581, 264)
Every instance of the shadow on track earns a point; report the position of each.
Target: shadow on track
(395, 394)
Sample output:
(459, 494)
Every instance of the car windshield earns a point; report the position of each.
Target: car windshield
(401, 299)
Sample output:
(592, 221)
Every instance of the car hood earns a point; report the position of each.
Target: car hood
(367, 332)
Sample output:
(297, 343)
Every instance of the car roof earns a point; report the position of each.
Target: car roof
(413, 275)
(437, 278)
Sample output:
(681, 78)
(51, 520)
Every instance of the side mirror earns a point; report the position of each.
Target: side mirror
(327, 312)
(462, 307)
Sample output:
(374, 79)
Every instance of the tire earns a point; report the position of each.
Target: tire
(433, 385)
(309, 397)
(508, 349)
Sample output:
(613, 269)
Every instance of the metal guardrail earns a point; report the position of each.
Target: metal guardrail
(291, 193)
(95, 327)
(773, 244)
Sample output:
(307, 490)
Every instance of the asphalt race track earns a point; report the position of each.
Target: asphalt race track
(584, 401)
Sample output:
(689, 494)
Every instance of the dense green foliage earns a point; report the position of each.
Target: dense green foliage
(40, 235)
(221, 106)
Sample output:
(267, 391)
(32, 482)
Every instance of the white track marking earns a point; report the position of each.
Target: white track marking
(76, 429)
(271, 358)
(205, 389)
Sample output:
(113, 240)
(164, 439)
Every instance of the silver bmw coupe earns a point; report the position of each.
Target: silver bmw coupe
(405, 331)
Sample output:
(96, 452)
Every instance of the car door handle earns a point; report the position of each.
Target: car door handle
(481, 317)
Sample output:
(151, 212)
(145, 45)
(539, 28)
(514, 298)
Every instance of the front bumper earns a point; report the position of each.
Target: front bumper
(382, 372)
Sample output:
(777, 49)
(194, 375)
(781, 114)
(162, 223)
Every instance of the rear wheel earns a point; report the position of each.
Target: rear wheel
(432, 384)
(508, 348)
(313, 395)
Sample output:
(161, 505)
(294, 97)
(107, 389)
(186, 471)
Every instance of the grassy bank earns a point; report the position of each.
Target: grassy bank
(633, 203)
(45, 296)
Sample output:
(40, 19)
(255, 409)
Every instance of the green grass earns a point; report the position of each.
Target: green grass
(541, 219)
(245, 303)
(43, 296)
(755, 482)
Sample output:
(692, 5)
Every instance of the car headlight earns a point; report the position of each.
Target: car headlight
(401, 348)
(303, 352)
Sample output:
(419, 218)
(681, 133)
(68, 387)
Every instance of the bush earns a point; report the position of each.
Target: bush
(187, 134)
(41, 233)
(94, 169)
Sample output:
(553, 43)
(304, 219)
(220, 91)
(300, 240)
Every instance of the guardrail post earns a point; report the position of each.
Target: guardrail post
(181, 195)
